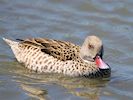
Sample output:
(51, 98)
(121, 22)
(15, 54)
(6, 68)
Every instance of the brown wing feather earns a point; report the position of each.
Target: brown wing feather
(59, 49)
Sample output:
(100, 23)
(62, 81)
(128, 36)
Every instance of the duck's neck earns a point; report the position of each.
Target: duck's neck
(85, 57)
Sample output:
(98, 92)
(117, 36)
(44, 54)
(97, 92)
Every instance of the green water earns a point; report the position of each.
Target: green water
(69, 20)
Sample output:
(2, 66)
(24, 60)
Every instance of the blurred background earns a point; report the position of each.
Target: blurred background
(68, 20)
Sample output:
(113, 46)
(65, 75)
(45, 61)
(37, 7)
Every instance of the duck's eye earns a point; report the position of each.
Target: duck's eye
(90, 46)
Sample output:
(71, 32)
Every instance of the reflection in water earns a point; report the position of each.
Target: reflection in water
(81, 87)
(34, 92)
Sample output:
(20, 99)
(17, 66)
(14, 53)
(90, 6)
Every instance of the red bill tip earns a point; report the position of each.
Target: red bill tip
(100, 63)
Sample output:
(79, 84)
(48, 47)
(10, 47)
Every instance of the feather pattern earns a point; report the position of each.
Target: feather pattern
(59, 49)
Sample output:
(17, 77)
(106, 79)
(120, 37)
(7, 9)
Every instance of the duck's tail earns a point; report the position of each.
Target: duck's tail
(10, 42)
(15, 47)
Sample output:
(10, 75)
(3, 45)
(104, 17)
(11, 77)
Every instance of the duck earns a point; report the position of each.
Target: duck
(45, 55)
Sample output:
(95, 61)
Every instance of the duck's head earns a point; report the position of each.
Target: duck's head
(92, 50)
(91, 47)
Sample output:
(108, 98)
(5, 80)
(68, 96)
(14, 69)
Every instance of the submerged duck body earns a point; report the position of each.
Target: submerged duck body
(54, 56)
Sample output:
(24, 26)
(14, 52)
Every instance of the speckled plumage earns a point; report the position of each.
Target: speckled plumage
(54, 56)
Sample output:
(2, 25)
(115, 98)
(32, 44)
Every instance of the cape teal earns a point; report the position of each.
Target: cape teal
(55, 56)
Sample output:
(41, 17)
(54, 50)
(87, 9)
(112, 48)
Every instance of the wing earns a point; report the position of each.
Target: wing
(59, 49)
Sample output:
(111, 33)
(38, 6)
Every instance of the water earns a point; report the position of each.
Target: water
(69, 20)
